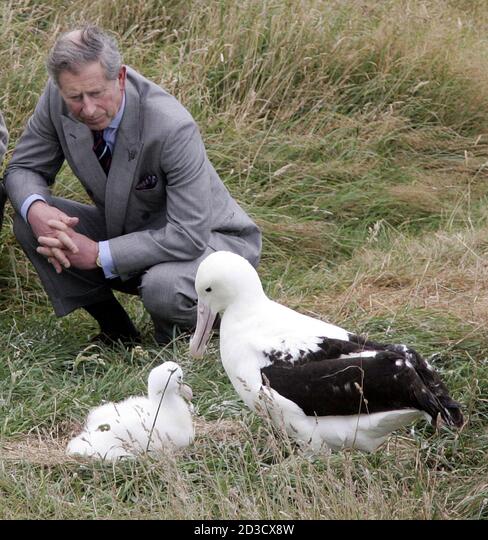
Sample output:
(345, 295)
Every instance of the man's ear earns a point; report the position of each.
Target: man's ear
(122, 77)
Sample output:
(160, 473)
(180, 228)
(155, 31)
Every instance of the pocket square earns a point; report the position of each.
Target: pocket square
(148, 182)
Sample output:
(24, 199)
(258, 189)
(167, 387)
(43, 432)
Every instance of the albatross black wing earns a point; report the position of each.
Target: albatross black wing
(429, 376)
(336, 379)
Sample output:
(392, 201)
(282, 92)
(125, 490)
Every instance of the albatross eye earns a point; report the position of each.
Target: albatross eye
(208, 289)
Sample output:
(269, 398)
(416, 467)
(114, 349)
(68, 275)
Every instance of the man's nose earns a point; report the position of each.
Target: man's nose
(89, 106)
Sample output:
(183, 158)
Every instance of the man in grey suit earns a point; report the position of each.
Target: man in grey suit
(159, 207)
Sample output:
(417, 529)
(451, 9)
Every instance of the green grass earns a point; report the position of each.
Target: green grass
(355, 134)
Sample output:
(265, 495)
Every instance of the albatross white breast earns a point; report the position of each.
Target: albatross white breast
(140, 424)
(324, 385)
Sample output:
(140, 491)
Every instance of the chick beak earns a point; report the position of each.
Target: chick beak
(186, 392)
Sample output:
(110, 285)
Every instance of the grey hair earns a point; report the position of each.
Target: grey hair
(82, 46)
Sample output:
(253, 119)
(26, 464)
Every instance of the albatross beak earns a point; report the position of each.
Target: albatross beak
(205, 320)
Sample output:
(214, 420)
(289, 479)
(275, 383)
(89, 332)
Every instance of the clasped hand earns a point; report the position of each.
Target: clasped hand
(66, 247)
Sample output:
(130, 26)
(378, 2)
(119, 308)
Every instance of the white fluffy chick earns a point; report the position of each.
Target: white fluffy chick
(140, 424)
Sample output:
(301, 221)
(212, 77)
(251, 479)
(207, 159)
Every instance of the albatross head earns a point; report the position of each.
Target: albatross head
(223, 278)
(168, 379)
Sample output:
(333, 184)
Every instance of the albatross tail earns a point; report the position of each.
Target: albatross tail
(449, 410)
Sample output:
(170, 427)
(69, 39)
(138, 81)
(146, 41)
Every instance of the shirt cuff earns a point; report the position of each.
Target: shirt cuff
(24, 209)
(106, 260)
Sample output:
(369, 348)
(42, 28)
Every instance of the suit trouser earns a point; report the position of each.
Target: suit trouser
(167, 290)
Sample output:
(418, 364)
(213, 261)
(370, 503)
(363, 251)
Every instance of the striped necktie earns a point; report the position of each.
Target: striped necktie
(102, 150)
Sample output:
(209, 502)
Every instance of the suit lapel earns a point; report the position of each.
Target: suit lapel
(126, 155)
(79, 140)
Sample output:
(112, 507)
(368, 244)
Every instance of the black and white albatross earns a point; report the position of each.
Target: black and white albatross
(324, 385)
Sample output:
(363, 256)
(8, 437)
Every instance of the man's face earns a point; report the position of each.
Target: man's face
(90, 97)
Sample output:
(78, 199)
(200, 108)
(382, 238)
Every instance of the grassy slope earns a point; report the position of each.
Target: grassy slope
(355, 134)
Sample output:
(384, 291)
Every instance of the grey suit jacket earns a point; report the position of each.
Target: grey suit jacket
(162, 201)
(3, 138)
